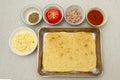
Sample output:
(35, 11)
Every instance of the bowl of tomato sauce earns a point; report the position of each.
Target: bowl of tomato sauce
(96, 16)
(53, 14)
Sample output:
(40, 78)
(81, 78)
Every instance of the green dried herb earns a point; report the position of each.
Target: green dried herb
(34, 17)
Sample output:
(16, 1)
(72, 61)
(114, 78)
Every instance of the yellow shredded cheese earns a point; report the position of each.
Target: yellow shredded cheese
(24, 41)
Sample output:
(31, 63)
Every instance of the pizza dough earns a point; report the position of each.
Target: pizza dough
(69, 51)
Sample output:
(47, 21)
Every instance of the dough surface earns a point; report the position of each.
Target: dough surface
(69, 51)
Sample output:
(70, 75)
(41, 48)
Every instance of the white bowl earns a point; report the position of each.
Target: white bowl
(82, 12)
(52, 5)
(104, 13)
(13, 34)
(27, 10)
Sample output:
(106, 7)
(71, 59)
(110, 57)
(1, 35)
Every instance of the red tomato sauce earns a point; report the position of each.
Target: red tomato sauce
(95, 17)
(53, 15)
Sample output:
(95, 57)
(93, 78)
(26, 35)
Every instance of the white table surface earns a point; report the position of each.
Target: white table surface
(25, 68)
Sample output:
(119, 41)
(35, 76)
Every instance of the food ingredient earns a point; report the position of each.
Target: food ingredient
(65, 51)
(53, 15)
(73, 15)
(95, 17)
(34, 17)
(24, 41)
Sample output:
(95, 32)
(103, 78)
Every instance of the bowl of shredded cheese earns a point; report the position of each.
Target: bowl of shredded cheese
(23, 41)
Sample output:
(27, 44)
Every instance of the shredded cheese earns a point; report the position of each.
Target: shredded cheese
(24, 41)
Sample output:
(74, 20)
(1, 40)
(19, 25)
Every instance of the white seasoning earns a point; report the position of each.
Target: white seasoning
(73, 15)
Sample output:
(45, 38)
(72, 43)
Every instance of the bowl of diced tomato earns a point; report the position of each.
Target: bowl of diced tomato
(53, 14)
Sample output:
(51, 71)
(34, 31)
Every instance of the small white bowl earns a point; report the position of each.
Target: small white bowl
(27, 10)
(104, 13)
(15, 32)
(82, 12)
(47, 7)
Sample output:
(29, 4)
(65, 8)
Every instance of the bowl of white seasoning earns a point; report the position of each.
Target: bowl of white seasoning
(74, 15)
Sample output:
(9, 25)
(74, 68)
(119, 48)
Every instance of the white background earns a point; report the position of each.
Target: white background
(25, 68)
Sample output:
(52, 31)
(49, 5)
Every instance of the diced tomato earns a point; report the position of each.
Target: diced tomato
(53, 15)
